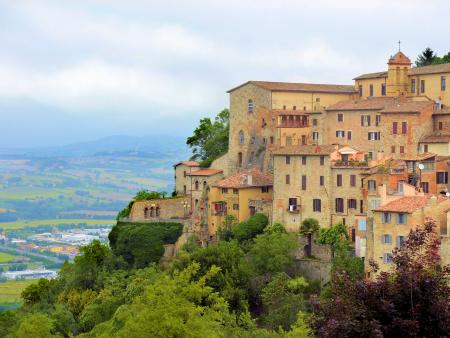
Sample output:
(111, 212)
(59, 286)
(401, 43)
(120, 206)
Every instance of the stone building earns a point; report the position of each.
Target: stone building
(182, 180)
(241, 195)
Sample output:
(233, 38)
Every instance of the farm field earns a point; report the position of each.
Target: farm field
(10, 290)
(52, 222)
(5, 257)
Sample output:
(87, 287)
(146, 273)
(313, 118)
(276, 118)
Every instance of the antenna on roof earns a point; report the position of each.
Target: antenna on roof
(399, 43)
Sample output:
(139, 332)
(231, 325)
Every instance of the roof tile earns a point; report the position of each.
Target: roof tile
(240, 180)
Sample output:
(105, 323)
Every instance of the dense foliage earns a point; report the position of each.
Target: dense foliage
(244, 286)
(429, 57)
(210, 138)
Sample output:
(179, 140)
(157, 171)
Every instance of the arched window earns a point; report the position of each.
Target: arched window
(146, 213)
(204, 184)
(240, 159)
(196, 202)
(157, 211)
(250, 106)
(241, 137)
(152, 212)
(196, 185)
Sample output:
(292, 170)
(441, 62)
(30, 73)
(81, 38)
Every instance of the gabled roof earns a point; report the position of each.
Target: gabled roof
(204, 172)
(370, 103)
(241, 180)
(188, 164)
(305, 150)
(399, 59)
(376, 75)
(431, 69)
(300, 87)
(408, 204)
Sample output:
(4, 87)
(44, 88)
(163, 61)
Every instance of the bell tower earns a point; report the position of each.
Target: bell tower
(397, 79)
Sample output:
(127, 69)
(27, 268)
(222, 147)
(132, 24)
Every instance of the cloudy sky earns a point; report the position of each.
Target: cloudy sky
(80, 70)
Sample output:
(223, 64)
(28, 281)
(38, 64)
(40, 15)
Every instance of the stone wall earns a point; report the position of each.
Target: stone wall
(168, 208)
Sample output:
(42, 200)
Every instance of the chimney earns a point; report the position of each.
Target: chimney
(249, 179)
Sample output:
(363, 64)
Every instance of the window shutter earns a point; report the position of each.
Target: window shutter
(368, 120)
(394, 127)
(362, 120)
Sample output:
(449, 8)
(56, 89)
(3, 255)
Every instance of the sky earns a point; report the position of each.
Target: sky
(80, 70)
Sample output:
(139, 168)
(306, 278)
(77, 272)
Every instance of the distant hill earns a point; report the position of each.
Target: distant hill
(156, 146)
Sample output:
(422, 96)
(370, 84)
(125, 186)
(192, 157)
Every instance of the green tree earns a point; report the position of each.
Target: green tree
(210, 139)
(35, 325)
(248, 229)
(309, 227)
(333, 236)
(427, 57)
(225, 232)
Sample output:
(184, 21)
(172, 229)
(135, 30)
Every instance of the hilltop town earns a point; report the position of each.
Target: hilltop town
(373, 156)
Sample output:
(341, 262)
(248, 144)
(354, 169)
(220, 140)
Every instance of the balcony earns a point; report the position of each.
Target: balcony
(350, 163)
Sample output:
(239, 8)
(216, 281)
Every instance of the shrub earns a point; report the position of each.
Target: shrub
(248, 229)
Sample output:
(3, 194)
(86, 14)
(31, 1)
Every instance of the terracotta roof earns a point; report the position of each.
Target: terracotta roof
(407, 106)
(399, 59)
(240, 180)
(437, 138)
(408, 204)
(371, 76)
(188, 164)
(300, 87)
(204, 172)
(420, 157)
(305, 150)
(371, 103)
(431, 69)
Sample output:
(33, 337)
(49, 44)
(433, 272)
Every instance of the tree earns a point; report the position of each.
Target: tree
(411, 300)
(309, 227)
(35, 325)
(248, 229)
(210, 139)
(333, 236)
(225, 232)
(427, 57)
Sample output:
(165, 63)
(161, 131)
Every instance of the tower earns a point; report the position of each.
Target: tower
(397, 79)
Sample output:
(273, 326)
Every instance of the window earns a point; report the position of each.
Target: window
(402, 149)
(443, 84)
(288, 179)
(393, 149)
(365, 120)
(340, 117)
(349, 135)
(184, 189)
(394, 127)
(442, 177)
(386, 239)
(235, 191)
(303, 160)
(383, 89)
(352, 204)
(224, 190)
(339, 205)
(265, 189)
(317, 205)
(387, 258)
(340, 133)
(241, 137)
(377, 120)
(294, 108)
(400, 240)
(252, 155)
(196, 185)
(425, 187)
(360, 90)
(440, 125)
(315, 136)
(353, 180)
(361, 206)
(235, 206)
(373, 135)
(400, 185)
(292, 204)
(314, 122)
(401, 218)
(284, 107)
(422, 86)
(362, 225)
(386, 218)
(250, 106)
(374, 204)
(146, 213)
(322, 160)
(252, 210)
(288, 159)
(413, 86)
(303, 139)
(404, 127)
(371, 90)
(371, 185)
(425, 148)
(240, 159)
(339, 180)
(303, 182)
(322, 180)
(271, 139)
